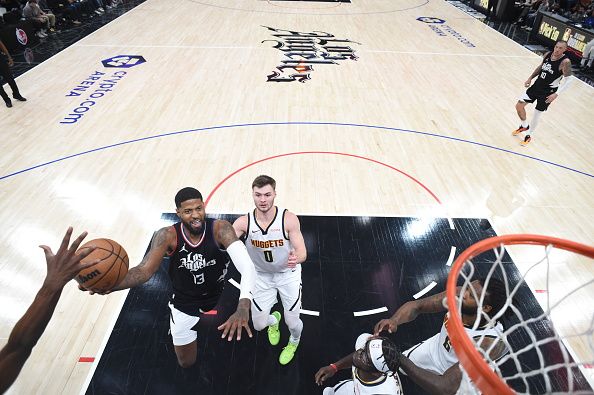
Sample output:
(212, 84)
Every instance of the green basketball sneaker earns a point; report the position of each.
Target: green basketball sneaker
(273, 332)
(288, 353)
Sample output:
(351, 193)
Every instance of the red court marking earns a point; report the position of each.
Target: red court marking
(540, 291)
(318, 153)
(588, 366)
(210, 312)
(86, 359)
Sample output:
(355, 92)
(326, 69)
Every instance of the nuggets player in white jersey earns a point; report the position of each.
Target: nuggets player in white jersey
(554, 68)
(275, 244)
(374, 366)
(433, 364)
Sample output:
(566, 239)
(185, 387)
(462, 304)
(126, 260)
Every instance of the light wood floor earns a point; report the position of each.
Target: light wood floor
(446, 112)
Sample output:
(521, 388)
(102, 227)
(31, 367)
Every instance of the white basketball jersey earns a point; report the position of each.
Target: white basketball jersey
(269, 248)
(437, 353)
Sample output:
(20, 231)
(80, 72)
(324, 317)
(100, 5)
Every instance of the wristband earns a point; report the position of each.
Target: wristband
(333, 366)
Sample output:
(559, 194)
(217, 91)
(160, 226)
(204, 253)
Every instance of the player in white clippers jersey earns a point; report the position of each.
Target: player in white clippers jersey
(433, 364)
(275, 244)
(374, 366)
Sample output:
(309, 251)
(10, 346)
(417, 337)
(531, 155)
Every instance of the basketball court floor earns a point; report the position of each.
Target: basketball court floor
(386, 123)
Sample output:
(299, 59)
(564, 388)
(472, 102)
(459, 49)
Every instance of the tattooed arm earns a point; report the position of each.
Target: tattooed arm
(565, 68)
(163, 241)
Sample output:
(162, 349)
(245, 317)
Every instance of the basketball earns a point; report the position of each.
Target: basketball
(107, 273)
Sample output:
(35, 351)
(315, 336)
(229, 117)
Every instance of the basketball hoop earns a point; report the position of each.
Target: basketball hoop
(479, 368)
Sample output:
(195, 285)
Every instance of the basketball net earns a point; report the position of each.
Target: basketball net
(531, 354)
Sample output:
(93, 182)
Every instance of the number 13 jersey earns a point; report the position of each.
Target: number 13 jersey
(269, 248)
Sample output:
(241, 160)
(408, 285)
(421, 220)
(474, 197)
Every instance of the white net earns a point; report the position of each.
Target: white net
(547, 341)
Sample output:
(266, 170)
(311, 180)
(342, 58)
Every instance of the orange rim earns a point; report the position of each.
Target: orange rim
(472, 361)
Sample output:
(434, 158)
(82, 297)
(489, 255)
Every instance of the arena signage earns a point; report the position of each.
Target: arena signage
(99, 84)
(21, 36)
(552, 30)
(442, 29)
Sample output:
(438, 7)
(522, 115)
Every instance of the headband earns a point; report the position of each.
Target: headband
(377, 355)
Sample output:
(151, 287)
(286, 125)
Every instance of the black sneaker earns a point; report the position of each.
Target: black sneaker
(526, 141)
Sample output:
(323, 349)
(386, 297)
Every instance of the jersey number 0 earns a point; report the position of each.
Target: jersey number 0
(268, 256)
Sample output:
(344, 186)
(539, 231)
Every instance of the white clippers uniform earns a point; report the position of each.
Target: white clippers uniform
(269, 250)
(437, 354)
(386, 384)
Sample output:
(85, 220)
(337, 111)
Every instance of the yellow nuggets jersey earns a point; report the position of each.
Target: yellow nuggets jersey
(269, 248)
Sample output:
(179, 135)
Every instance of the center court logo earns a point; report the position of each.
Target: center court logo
(99, 84)
(440, 28)
(303, 50)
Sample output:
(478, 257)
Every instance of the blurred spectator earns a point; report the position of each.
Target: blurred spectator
(99, 7)
(13, 16)
(70, 12)
(531, 18)
(10, 4)
(529, 14)
(589, 21)
(588, 55)
(46, 21)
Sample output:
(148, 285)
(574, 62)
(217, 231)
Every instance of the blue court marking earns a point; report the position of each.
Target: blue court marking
(243, 125)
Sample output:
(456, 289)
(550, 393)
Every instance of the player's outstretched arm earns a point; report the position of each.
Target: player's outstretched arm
(326, 372)
(226, 237)
(62, 267)
(411, 310)
(435, 384)
(163, 241)
(298, 253)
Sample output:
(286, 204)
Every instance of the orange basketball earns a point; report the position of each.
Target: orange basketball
(111, 269)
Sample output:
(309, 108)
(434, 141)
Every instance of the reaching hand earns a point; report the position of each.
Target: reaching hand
(65, 264)
(236, 322)
(324, 373)
(527, 83)
(10, 62)
(385, 325)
